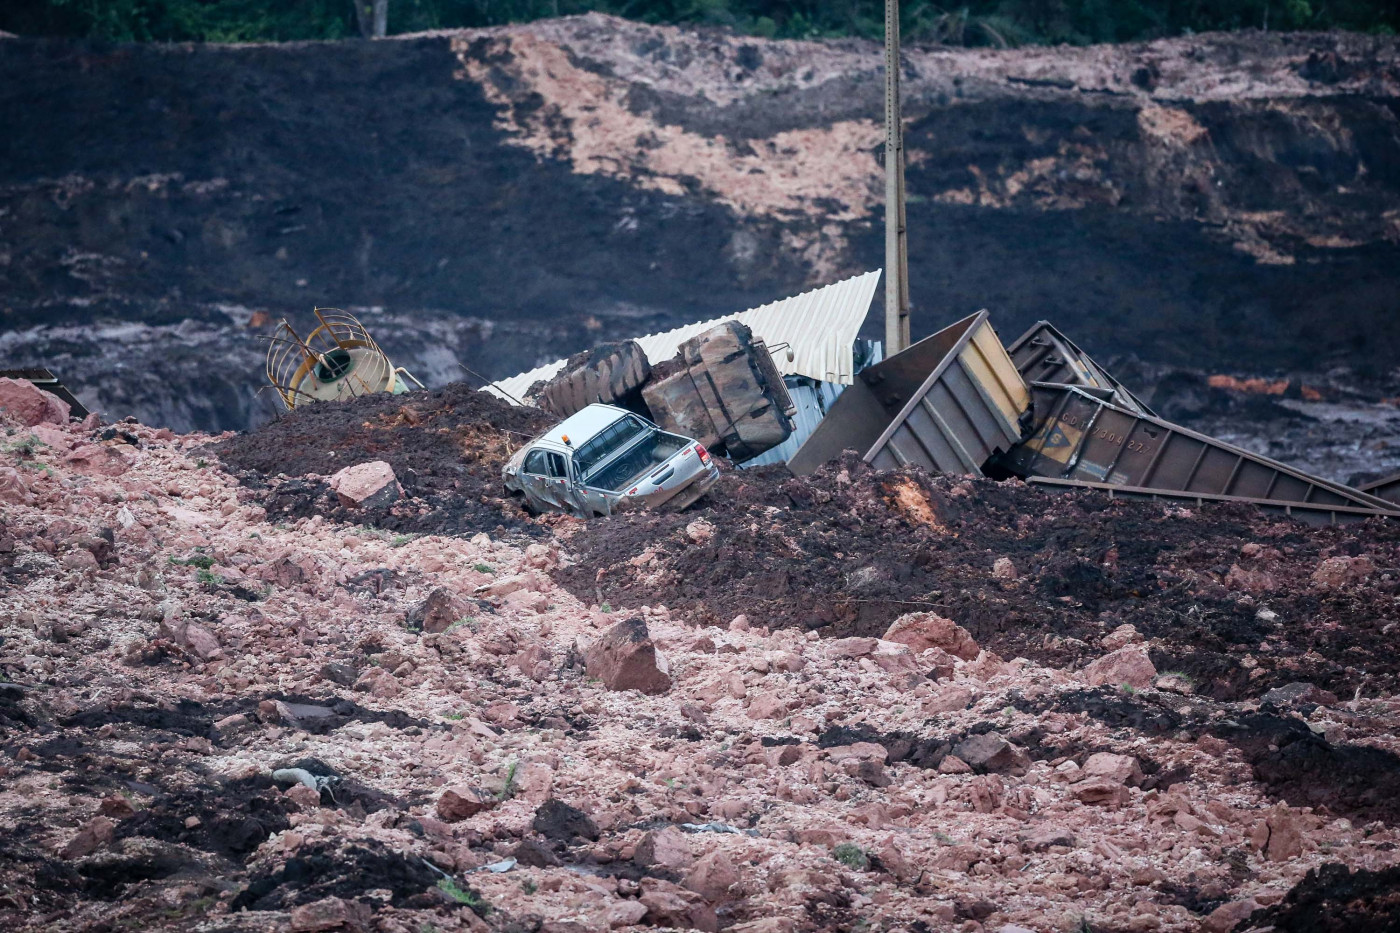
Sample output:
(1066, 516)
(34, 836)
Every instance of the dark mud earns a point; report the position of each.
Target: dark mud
(350, 870)
(447, 447)
(1293, 763)
(847, 551)
(1333, 899)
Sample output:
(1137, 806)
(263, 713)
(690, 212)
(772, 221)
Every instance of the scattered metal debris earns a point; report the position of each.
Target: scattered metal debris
(43, 379)
(337, 360)
(1387, 488)
(1043, 354)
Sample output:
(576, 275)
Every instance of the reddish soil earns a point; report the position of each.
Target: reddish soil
(849, 550)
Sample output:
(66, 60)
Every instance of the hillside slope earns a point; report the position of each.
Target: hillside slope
(507, 195)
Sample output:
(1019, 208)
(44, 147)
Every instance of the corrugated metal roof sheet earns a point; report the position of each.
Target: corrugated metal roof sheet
(820, 326)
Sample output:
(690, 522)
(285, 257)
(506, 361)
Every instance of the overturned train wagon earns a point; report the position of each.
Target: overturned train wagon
(947, 403)
(1082, 436)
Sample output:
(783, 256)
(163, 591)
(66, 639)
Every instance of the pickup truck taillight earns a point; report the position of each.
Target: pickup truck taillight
(704, 454)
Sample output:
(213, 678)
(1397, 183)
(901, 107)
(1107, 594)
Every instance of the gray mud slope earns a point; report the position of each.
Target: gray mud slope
(511, 195)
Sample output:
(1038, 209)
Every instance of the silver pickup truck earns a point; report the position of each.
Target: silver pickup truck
(605, 458)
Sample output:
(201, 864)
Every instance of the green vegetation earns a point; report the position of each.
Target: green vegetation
(979, 22)
(851, 855)
(209, 578)
(202, 561)
(459, 894)
(483, 568)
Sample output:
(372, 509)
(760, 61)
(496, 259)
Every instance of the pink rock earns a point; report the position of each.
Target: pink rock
(117, 807)
(670, 905)
(767, 706)
(1128, 665)
(1123, 635)
(202, 642)
(924, 630)
(621, 913)
(98, 832)
(664, 848)
(1101, 793)
(97, 460)
(1279, 835)
(13, 489)
(437, 613)
(306, 798)
(1120, 768)
(460, 803)
(1250, 581)
(1227, 916)
(31, 405)
(990, 752)
(531, 602)
(370, 485)
(1004, 570)
(625, 659)
(712, 877)
(1341, 571)
(330, 913)
(949, 699)
(852, 648)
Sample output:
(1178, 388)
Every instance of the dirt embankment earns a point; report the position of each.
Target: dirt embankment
(512, 195)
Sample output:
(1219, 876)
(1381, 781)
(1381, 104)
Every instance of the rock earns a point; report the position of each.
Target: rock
(851, 648)
(1123, 769)
(623, 913)
(97, 460)
(13, 488)
(435, 614)
(532, 854)
(1004, 570)
(949, 699)
(1128, 665)
(558, 821)
(924, 630)
(1046, 836)
(1123, 635)
(542, 556)
(700, 531)
(331, 913)
(96, 833)
(31, 405)
(1257, 582)
(1298, 694)
(1341, 571)
(338, 673)
(117, 807)
(201, 641)
(370, 485)
(1279, 835)
(990, 752)
(1175, 683)
(625, 659)
(304, 797)
(1227, 916)
(460, 803)
(664, 848)
(670, 905)
(767, 706)
(712, 877)
(1101, 793)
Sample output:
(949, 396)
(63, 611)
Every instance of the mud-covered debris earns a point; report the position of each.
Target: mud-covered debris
(371, 485)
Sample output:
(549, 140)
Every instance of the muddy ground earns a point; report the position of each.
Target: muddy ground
(1225, 594)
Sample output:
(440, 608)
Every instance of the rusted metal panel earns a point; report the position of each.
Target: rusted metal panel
(1082, 435)
(945, 404)
(1307, 512)
(1387, 488)
(1044, 354)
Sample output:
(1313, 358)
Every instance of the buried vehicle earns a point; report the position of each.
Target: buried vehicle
(605, 458)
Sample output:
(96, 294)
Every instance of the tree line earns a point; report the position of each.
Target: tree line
(978, 22)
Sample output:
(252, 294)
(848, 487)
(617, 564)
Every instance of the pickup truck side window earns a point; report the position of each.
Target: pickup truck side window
(556, 466)
(536, 463)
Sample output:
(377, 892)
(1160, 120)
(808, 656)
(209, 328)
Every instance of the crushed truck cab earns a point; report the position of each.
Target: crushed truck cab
(603, 459)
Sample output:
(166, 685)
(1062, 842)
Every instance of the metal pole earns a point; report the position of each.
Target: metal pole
(896, 243)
